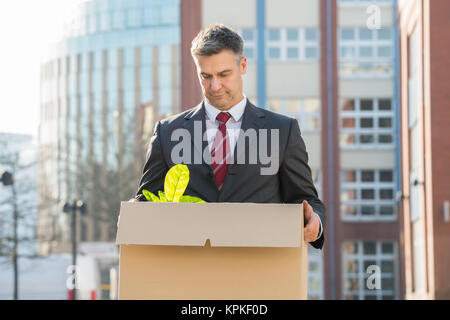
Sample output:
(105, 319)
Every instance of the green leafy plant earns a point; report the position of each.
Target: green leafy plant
(175, 183)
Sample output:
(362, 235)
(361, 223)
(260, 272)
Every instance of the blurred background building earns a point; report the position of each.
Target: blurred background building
(332, 64)
(103, 86)
(319, 61)
(425, 147)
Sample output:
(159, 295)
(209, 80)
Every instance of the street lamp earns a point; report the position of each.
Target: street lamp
(77, 205)
(6, 178)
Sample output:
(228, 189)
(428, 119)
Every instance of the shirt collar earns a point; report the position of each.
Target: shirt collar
(235, 111)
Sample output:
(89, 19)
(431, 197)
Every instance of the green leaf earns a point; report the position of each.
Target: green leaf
(177, 179)
(162, 196)
(150, 196)
(191, 199)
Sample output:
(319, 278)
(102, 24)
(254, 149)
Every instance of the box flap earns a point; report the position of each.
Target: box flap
(223, 224)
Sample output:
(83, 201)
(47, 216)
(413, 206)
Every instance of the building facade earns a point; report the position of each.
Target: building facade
(425, 147)
(324, 64)
(103, 86)
(332, 64)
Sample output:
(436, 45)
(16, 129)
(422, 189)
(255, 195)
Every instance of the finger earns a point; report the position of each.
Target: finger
(307, 210)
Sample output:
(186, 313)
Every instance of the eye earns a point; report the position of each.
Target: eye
(206, 76)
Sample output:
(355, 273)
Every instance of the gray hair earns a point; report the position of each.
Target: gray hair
(215, 38)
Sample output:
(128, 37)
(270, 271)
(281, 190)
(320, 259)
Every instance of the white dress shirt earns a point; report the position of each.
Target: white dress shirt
(233, 126)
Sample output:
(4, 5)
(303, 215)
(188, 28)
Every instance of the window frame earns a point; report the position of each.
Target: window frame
(358, 185)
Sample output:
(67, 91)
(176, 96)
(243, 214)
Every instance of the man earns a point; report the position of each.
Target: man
(219, 128)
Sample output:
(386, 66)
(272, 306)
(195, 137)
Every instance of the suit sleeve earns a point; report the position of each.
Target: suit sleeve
(155, 167)
(295, 178)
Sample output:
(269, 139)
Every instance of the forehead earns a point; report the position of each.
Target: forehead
(216, 63)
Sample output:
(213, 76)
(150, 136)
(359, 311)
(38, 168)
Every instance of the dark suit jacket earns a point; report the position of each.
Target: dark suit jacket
(292, 182)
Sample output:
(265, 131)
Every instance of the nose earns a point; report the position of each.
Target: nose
(215, 84)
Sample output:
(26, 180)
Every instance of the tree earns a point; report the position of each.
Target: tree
(18, 202)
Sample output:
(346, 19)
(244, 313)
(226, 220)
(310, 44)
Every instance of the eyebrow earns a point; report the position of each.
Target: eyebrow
(221, 72)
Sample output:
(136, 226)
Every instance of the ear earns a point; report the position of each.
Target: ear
(243, 65)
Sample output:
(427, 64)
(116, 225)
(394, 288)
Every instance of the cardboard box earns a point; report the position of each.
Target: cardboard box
(212, 251)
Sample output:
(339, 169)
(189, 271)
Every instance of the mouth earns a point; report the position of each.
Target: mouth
(218, 96)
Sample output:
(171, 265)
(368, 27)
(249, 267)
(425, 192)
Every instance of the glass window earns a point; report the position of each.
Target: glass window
(386, 210)
(386, 176)
(248, 34)
(367, 210)
(386, 194)
(384, 51)
(311, 34)
(312, 105)
(348, 105)
(133, 17)
(366, 105)
(369, 247)
(347, 34)
(384, 104)
(292, 53)
(311, 52)
(365, 34)
(348, 123)
(365, 52)
(387, 247)
(293, 105)
(119, 19)
(384, 34)
(367, 176)
(385, 122)
(274, 34)
(366, 138)
(275, 105)
(105, 21)
(292, 34)
(385, 138)
(367, 194)
(366, 122)
(350, 175)
(249, 53)
(274, 53)
(349, 194)
(347, 52)
(348, 210)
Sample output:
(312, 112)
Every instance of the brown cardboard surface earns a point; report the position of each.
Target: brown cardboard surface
(255, 251)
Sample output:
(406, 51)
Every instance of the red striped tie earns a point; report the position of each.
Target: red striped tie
(221, 151)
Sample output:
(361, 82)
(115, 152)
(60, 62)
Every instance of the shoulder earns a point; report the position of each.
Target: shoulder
(274, 118)
(174, 121)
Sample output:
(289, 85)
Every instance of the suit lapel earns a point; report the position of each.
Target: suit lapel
(253, 118)
(195, 123)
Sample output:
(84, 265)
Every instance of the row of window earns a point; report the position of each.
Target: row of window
(366, 53)
(284, 44)
(112, 20)
(368, 195)
(306, 111)
(366, 123)
(369, 270)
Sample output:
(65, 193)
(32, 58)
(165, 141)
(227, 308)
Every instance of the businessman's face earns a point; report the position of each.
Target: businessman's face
(221, 78)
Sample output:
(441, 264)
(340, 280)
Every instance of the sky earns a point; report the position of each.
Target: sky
(27, 27)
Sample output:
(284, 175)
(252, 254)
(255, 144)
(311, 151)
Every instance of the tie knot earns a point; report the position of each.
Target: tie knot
(223, 117)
